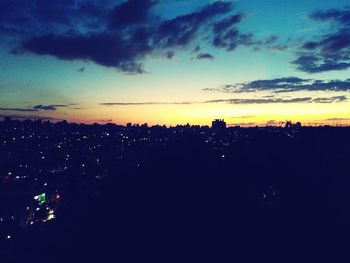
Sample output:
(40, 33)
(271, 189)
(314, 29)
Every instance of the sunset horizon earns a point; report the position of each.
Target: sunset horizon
(176, 62)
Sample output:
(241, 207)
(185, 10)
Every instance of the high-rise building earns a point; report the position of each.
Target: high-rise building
(218, 125)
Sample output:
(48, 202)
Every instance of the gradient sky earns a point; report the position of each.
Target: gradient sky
(251, 62)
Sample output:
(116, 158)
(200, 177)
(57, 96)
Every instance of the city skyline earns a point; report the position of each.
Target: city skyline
(176, 62)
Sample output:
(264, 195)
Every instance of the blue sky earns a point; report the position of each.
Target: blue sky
(130, 61)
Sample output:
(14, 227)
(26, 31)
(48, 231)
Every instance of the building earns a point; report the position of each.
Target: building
(218, 125)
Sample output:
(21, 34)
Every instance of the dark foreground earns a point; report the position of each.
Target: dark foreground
(272, 199)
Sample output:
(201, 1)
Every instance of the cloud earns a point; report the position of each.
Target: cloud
(337, 119)
(169, 54)
(262, 101)
(231, 39)
(37, 108)
(243, 117)
(236, 101)
(341, 16)
(145, 103)
(44, 107)
(226, 34)
(18, 109)
(271, 123)
(311, 63)
(288, 84)
(330, 99)
(196, 49)
(22, 18)
(271, 40)
(105, 120)
(181, 30)
(331, 50)
(215, 89)
(104, 49)
(244, 124)
(227, 23)
(205, 56)
(131, 12)
(51, 107)
(119, 36)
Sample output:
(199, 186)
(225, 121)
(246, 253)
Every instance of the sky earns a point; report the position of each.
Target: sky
(251, 62)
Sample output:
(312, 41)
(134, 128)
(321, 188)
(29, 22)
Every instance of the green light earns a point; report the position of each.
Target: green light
(40, 198)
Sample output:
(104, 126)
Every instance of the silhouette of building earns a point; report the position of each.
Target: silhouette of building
(218, 125)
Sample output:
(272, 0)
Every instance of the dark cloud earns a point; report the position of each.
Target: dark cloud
(330, 51)
(18, 109)
(50, 107)
(338, 15)
(271, 40)
(226, 34)
(227, 40)
(131, 12)
(236, 101)
(103, 49)
(226, 23)
(181, 30)
(169, 54)
(262, 101)
(37, 108)
(126, 33)
(289, 84)
(196, 49)
(331, 99)
(311, 45)
(311, 63)
(205, 56)
(81, 70)
(22, 18)
(44, 107)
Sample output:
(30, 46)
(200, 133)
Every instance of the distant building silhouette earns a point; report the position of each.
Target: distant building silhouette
(218, 125)
(290, 125)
